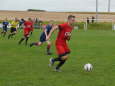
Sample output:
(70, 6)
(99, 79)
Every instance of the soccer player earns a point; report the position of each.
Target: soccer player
(62, 48)
(21, 22)
(28, 25)
(13, 29)
(46, 31)
(5, 27)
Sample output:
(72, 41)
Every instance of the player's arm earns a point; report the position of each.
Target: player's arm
(52, 30)
(17, 26)
(44, 30)
(32, 27)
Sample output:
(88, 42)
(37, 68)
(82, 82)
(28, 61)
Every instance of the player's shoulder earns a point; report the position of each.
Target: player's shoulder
(26, 22)
(48, 26)
(63, 24)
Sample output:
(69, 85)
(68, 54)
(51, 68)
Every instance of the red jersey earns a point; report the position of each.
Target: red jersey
(28, 25)
(64, 29)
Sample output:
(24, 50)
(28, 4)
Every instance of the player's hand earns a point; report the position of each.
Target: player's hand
(47, 38)
(68, 38)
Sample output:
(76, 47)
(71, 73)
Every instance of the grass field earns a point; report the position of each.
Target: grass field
(24, 66)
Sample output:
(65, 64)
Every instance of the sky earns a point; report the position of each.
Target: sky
(57, 5)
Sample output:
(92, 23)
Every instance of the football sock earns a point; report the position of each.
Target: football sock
(12, 34)
(60, 64)
(57, 59)
(48, 48)
(4, 34)
(22, 39)
(26, 40)
(36, 44)
(9, 36)
(31, 33)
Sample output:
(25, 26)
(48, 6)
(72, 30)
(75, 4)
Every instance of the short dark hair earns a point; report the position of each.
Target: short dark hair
(71, 16)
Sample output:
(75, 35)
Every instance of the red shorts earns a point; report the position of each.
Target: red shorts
(26, 32)
(32, 29)
(62, 48)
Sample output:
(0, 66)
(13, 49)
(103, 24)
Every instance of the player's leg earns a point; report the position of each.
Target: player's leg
(21, 40)
(63, 52)
(42, 39)
(5, 31)
(63, 60)
(31, 32)
(36, 44)
(2, 31)
(4, 34)
(60, 51)
(64, 56)
(27, 37)
(48, 48)
(12, 33)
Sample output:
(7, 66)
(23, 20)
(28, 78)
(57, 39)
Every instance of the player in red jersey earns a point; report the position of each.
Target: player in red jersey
(62, 48)
(28, 25)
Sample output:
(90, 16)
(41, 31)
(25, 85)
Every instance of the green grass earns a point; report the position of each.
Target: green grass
(24, 66)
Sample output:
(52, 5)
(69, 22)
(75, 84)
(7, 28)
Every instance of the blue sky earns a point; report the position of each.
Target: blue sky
(56, 5)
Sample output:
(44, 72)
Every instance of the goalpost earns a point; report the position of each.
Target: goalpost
(99, 21)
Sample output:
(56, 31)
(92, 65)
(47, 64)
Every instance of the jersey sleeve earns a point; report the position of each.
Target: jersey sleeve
(61, 26)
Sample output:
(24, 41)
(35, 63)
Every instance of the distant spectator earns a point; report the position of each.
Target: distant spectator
(93, 19)
(40, 24)
(88, 20)
(36, 20)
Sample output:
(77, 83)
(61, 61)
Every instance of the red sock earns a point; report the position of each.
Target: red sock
(37, 44)
(48, 47)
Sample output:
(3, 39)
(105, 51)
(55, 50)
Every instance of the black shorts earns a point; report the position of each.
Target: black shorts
(61, 55)
(13, 29)
(42, 38)
(5, 29)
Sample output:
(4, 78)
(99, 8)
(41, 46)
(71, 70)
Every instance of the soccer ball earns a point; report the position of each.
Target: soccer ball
(88, 67)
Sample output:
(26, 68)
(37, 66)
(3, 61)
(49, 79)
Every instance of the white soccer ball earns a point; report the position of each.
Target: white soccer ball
(88, 67)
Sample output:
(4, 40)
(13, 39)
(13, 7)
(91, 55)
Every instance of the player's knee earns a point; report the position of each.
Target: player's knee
(40, 43)
(65, 57)
(49, 43)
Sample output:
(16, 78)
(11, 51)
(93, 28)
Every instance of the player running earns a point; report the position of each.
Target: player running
(28, 25)
(62, 48)
(46, 31)
(5, 27)
(13, 29)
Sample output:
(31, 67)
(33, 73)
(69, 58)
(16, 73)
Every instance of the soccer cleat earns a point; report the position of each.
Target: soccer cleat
(51, 62)
(19, 43)
(31, 45)
(49, 53)
(57, 70)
